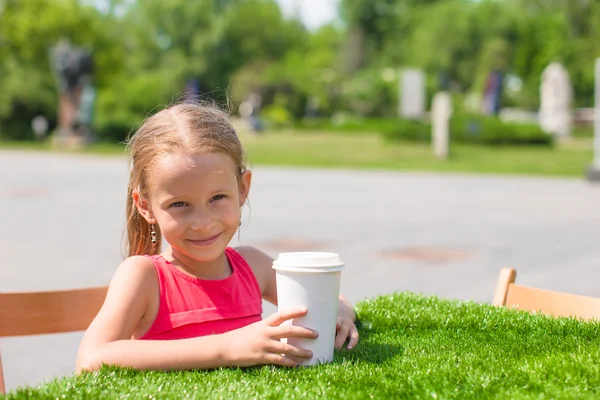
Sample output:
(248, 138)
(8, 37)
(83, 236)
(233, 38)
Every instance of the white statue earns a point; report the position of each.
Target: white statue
(412, 93)
(556, 95)
(441, 111)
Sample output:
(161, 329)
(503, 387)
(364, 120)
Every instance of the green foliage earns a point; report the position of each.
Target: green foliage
(464, 128)
(309, 70)
(256, 30)
(492, 131)
(146, 50)
(412, 130)
(277, 117)
(368, 93)
(462, 41)
(474, 129)
(411, 347)
(453, 24)
(28, 31)
(144, 54)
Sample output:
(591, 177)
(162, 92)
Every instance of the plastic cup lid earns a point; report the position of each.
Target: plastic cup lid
(314, 260)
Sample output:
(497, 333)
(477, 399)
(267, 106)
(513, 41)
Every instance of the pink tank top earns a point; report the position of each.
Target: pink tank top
(191, 307)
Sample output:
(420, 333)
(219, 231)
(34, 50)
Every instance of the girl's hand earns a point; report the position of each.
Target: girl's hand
(346, 329)
(259, 343)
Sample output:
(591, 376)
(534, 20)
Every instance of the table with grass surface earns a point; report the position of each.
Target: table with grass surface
(412, 346)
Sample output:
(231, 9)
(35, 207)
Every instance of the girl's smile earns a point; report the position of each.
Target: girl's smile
(205, 242)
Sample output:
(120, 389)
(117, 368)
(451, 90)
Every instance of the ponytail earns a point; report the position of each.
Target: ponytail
(139, 241)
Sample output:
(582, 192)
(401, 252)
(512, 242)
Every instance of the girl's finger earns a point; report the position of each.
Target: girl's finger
(353, 338)
(341, 336)
(280, 317)
(290, 351)
(287, 331)
(279, 359)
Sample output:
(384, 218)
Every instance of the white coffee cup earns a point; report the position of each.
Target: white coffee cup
(311, 280)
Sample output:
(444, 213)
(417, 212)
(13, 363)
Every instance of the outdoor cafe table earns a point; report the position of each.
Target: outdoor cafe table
(411, 346)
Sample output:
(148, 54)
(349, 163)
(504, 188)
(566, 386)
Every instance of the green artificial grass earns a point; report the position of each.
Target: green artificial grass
(411, 347)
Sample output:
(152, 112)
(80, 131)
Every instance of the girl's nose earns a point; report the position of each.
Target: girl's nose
(203, 221)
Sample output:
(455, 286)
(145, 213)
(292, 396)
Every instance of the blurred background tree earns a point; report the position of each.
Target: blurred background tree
(146, 51)
(28, 30)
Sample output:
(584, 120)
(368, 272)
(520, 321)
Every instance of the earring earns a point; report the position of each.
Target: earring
(153, 235)
(240, 217)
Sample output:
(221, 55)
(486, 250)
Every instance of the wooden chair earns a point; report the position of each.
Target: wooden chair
(558, 304)
(35, 313)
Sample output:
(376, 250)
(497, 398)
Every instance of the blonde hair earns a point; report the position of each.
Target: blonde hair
(182, 129)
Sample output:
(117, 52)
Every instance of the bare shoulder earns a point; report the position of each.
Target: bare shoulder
(254, 256)
(136, 266)
(133, 278)
(261, 264)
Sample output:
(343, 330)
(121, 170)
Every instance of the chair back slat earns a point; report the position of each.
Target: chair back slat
(36, 313)
(507, 276)
(2, 387)
(551, 302)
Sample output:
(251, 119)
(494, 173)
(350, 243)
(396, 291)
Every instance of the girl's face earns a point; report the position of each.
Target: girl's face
(196, 201)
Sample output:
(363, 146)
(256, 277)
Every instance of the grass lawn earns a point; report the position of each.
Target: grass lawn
(411, 347)
(371, 151)
(296, 148)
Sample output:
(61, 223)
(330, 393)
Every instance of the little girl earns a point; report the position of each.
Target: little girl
(198, 303)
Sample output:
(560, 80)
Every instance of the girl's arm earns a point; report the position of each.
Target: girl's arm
(262, 264)
(108, 340)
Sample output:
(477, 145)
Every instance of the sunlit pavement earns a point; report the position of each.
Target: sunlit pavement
(62, 218)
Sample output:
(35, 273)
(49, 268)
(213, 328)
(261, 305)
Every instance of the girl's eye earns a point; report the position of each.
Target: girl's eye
(218, 197)
(178, 204)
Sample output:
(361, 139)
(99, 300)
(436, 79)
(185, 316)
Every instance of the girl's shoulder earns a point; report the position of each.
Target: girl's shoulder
(138, 262)
(254, 257)
(135, 271)
(260, 263)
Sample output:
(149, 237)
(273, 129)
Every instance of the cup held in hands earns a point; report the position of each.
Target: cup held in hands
(311, 280)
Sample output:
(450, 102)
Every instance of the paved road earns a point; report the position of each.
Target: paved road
(61, 221)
